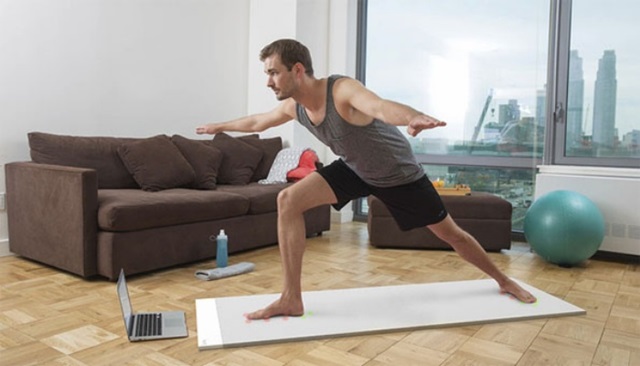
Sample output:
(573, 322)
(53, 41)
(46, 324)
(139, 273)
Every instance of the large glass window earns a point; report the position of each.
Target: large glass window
(480, 66)
(520, 83)
(603, 98)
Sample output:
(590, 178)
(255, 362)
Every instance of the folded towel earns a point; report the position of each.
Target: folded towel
(232, 270)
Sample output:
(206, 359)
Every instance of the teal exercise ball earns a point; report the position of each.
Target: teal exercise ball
(564, 227)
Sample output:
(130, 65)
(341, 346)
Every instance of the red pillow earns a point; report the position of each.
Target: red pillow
(306, 166)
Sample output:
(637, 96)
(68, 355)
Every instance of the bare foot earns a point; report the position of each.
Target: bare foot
(511, 287)
(279, 307)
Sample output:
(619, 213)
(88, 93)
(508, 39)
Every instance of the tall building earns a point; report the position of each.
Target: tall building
(575, 101)
(604, 103)
(631, 140)
(541, 107)
(508, 112)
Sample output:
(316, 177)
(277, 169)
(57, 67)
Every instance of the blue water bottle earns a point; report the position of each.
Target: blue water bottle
(222, 254)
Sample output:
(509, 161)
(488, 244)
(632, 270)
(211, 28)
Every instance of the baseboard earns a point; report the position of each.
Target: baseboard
(616, 257)
(4, 248)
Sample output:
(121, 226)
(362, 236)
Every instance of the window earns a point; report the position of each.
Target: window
(601, 126)
(520, 83)
(480, 66)
(483, 73)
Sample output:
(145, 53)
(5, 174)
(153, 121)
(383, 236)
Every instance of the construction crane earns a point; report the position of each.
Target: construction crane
(476, 132)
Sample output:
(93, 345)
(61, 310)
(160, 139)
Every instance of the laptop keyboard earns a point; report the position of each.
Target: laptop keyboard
(149, 325)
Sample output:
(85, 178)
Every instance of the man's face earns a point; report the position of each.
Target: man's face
(279, 79)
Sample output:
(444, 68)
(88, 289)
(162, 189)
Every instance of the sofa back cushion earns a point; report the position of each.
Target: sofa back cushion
(223, 160)
(99, 153)
(203, 157)
(156, 164)
(270, 148)
(239, 161)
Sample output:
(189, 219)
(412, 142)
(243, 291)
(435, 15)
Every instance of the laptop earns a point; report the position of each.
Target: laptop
(149, 326)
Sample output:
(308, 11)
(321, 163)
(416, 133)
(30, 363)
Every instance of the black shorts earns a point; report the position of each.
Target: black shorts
(412, 205)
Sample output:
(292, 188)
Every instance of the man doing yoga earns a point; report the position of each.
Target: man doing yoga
(375, 159)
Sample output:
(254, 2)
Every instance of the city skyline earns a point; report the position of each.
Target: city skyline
(447, 71)
(595, 120)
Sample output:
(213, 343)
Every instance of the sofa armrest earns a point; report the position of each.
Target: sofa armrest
(52, 215)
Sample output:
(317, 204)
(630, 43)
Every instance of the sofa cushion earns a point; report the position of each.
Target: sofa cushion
(270, 148)
(99, 153)
(203, 158)
(156, 163)
(134, 209)
(262, 197)
(239, 162)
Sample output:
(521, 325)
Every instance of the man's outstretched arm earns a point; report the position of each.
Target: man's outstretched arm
(388, 111)
(283, 113)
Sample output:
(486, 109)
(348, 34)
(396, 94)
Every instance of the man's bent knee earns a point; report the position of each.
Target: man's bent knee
(448, 231)
(306, 194)
(286, 201)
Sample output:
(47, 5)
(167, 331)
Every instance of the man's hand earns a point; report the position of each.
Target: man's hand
(210, 129)
(423, 122)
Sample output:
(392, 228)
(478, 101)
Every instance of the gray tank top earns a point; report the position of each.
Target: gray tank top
(378, 153)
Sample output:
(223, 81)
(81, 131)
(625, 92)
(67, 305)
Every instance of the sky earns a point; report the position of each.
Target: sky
(445, 57)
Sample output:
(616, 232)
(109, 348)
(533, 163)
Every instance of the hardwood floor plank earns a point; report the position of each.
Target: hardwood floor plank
(32, 353)
(79, 339)
(410, 354)
(517, 335)
(368, 347)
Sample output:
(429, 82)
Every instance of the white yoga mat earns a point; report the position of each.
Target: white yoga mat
(221, 322)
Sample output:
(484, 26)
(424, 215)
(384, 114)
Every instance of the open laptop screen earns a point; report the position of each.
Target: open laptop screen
(125, 302)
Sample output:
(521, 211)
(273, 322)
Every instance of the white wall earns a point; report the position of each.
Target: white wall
(146, 67)
(269, 20)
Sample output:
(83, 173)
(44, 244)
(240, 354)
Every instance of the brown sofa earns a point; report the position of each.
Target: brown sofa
(485, 216)
(94, 205)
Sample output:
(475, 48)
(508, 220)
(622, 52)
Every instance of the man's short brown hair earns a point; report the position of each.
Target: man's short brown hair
(290, 52)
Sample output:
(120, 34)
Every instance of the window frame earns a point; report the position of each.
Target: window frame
(557, 93)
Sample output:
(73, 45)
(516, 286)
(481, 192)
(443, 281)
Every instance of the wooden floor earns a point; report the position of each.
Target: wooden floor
(49, 317)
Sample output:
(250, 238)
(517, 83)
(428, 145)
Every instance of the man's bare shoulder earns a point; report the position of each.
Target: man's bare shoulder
(288, 107)
(345, 88)
(351, 99)
(346, 83)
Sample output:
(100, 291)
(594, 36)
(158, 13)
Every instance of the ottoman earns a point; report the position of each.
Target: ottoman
(485, 216)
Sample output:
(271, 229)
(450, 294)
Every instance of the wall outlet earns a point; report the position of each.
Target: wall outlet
(3, 205)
